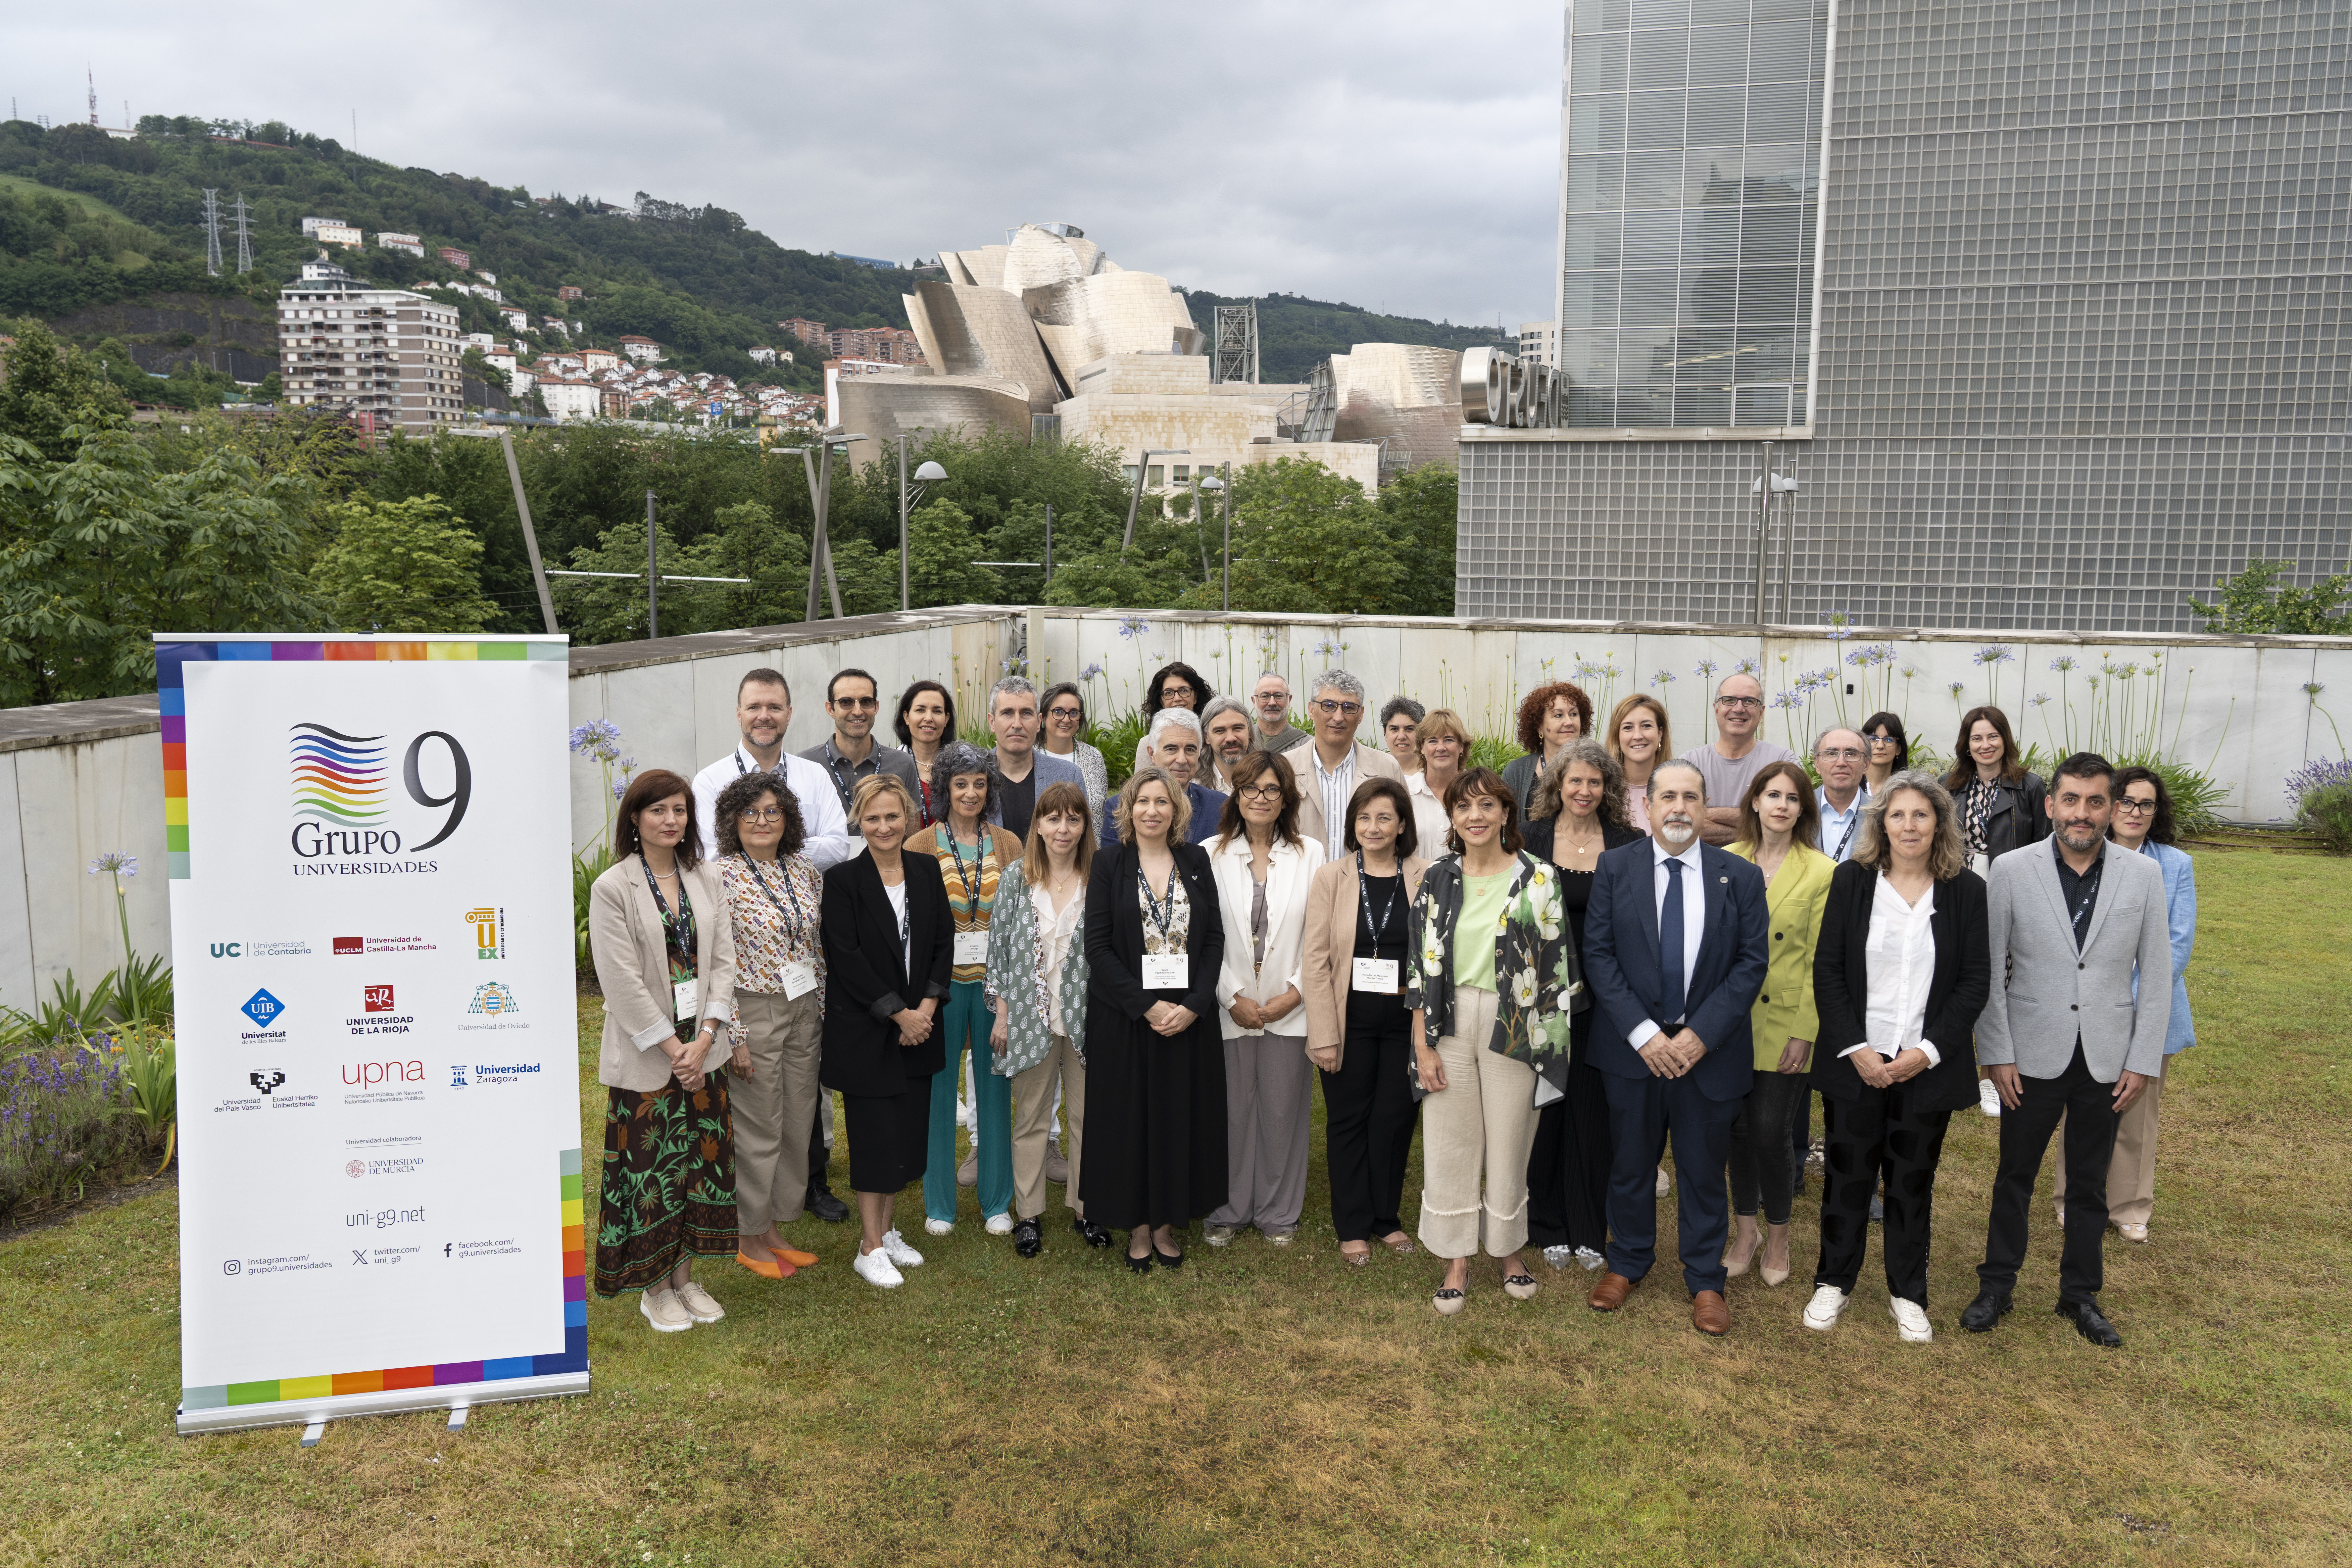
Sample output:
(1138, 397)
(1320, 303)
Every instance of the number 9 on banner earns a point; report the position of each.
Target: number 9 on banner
(461, 789)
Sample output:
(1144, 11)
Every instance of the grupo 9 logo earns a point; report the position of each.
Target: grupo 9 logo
(344, 804)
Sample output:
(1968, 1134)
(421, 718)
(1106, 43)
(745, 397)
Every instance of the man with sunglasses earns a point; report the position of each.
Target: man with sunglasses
(852, 702)
(1329, 770)
(1735, 756)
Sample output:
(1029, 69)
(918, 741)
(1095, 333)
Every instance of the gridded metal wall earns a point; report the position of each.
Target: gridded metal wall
(2082, 343)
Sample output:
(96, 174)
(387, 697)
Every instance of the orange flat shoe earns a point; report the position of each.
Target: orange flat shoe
(768, 1269)
(792, 1255)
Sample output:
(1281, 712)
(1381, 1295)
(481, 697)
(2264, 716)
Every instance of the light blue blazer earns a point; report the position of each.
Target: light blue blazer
(2181, 920)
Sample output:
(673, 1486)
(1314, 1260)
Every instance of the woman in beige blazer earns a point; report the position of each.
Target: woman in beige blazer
(1262, 868)
(1359, 908)
(664, 956)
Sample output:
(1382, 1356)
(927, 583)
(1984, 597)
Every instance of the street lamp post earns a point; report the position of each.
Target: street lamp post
(818, 465)
(929, 473)
(1143, 467)
(1220, 490)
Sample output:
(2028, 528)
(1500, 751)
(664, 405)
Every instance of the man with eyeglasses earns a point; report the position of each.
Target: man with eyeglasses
(1276, 733)
(1840, 757)
(852, 702)
(1174, 743)
(1735, 756)
(1329, 770)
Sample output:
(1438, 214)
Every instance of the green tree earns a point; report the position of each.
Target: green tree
(1421, 508)
(2254, 602)
(53, 394)
(941, 549)
(402, 566)
(1306, 541)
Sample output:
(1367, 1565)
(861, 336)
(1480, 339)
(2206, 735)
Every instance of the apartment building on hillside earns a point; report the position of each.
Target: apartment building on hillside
(385, 352)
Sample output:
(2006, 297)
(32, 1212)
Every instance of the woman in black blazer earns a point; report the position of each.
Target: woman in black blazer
(1576, 815)
(1902, 969)
(1155, 1051)
(887, 950)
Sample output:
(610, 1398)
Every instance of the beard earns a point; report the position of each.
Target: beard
(1675, 832)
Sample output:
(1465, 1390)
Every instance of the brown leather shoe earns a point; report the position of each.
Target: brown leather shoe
(1611, 1293)
(1710, 1314)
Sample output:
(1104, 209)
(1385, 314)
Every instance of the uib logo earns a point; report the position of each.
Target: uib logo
(490, 932)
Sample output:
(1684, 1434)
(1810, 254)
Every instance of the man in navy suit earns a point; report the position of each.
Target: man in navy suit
(1674, 950)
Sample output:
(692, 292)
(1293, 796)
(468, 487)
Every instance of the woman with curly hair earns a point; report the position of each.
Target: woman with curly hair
(1551, 716)
(1175, 685)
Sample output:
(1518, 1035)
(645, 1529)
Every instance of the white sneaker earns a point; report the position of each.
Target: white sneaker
(1825, 1308)
(875, 1267)
(1664, 1183)
(1988, 1098)
(698, 1304)
(1590, 1258)
(904, 1256)
(1558, 1257)
(665, 1311)
(1000, 1225)
(1911, 1325)
(939, 1227)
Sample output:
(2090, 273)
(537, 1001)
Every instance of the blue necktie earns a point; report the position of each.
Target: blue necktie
(1670, 946)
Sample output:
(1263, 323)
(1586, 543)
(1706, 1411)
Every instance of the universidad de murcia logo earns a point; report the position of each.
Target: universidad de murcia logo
(348, 821)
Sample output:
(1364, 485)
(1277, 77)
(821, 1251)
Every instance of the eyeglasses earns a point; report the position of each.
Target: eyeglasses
(2136, 807)
(1335, 709)
(1839, 754)
(1755, 702)
(1064, 713)
(1262, 791)
(1174, 689)
(762, 813)
(857, 702)
(1884, 741)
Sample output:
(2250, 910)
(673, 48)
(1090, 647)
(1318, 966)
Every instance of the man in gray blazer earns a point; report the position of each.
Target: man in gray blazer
(1024, 770)
(2073, 920)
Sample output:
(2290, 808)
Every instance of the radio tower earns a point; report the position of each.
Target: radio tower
(93, 92)
(212, 233)
(244, 239)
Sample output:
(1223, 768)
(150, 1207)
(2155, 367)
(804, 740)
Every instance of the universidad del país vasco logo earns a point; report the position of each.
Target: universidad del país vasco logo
(344, 807)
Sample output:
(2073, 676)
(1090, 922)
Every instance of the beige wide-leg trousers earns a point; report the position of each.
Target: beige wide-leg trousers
(1482, 1121)
(774, 1107)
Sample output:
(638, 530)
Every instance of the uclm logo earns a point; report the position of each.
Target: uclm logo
(347, 817)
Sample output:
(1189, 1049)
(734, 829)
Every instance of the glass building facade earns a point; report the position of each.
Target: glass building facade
(2077, 339)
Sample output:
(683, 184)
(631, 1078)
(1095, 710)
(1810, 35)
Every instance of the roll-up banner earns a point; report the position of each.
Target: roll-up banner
(371, 951)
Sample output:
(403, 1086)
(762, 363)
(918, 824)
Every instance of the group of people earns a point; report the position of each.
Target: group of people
(1550, 973)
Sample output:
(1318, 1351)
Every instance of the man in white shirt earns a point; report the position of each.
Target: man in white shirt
(763, 712)
(1276, 733)
(1329, 770)
(1841, 758)
(1735, 756)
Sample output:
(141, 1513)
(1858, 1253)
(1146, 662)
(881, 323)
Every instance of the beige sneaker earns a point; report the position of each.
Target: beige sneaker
(967, 1173)
(665, 1311)
(698, 1303)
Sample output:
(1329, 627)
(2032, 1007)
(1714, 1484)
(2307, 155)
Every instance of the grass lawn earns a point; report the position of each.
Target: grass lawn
(1274, 1406)
(17, 185)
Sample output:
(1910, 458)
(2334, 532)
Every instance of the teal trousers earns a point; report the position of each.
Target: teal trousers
(968, 1022)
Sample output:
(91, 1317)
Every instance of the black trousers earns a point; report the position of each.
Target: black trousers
(1880, 1136)
(2089, 1109)
(1568, 1167)
(1764, 1165)
(1369, 1117)
(819, 1156)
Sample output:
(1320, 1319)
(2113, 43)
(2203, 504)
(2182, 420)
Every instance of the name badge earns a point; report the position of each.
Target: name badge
(1376, 974)
(1167, 972)
(681, 1000)
(971, 947)
(800, 979)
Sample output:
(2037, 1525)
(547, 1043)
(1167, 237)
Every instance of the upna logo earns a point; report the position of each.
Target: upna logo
(344, 804)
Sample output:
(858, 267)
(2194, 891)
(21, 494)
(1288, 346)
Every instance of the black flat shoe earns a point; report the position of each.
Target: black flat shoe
(1139, 1265)
(825, 1207)
(1167, 1260)
(1990, 1307)
(1095, 1235)
(1029, 1238)
(2090, 1324)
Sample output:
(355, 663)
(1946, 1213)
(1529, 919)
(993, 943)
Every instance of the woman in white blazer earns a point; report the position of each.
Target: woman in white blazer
(664, 956)
(1263, 869)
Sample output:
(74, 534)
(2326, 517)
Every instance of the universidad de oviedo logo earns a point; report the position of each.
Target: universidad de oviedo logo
(348, 820)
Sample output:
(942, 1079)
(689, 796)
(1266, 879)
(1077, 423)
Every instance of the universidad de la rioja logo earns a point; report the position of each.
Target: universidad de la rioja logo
(355, 810)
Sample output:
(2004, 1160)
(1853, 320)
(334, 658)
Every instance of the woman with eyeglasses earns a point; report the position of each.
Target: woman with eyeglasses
(973, 856)
(1066, 718)
(1263, 869)
(1640, 739)
(1155, 1063)
(1442, 739)
(1887, 750)
(927, 720)
(1551, 716)
(1176, 685)
(2143, 822)
(1491, 989)
(774, 899)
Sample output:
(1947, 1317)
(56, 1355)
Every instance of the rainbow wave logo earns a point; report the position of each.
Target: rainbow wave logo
(338, 779)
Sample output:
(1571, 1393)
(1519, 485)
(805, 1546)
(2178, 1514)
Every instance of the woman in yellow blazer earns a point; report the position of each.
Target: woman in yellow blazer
(1358, 1034)
(1779, 830)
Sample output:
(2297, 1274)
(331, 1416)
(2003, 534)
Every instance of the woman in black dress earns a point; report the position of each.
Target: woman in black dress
(1577, 811)
(887, 950)
(1155, 1058)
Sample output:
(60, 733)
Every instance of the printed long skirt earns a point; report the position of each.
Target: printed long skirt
(669, 1187)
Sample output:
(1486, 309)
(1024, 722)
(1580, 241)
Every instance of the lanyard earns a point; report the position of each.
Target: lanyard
(678, 929)
(1162, 911)
(1379, 927)
(1853, 821)
(972, 911)
(796, 921)
(2087, 895)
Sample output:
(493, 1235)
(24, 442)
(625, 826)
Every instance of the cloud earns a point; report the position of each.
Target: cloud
(1396, 156)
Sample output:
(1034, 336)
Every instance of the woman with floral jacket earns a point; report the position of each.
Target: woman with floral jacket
(1492, 989)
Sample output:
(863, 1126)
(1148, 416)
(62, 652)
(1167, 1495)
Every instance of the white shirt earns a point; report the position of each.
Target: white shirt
(1694, 921)
(1900, 954)
(1339, 787)
(1430, 823)
(1054, 934)
(825, 827)
(1842, 829)
(897, 896)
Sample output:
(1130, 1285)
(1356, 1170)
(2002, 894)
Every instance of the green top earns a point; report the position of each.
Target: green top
(1482, 916)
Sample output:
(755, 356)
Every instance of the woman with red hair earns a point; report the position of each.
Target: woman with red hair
(1551, 716)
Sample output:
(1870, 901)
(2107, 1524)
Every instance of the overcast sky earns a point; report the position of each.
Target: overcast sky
(1395, 154)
